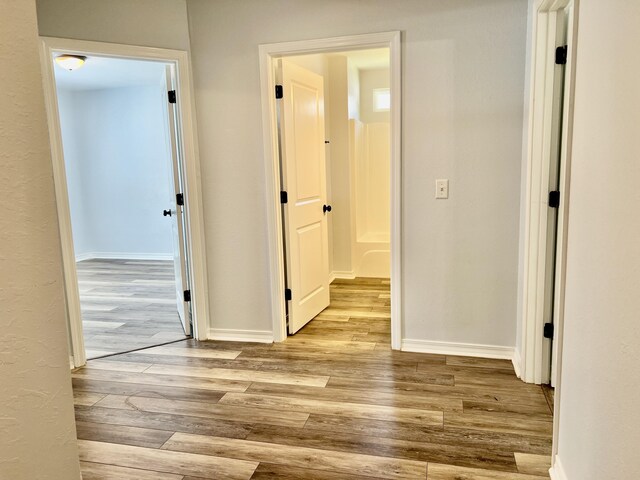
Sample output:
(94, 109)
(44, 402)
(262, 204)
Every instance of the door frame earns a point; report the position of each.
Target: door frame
(194, 220)
(530, 363)
(269, 52)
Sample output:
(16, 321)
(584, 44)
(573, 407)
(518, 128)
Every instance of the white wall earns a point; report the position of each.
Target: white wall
(369, 81)
(153, 23)
(353, 83)
(118, 170)
(600, 383)
(38, 438)
(340, 170)
(462, 120)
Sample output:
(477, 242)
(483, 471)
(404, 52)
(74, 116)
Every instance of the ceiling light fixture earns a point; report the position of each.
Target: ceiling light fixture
(70, 62)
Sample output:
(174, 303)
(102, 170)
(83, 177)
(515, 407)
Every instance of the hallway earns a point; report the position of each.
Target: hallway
(332, 402)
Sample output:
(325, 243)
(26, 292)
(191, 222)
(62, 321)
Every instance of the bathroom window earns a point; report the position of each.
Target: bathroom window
(381, 99)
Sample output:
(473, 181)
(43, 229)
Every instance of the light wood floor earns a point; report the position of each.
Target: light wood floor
(332, 402)
(127, 304)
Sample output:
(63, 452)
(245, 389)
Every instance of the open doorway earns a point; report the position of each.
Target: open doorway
(334, 126)
(335, 138)
(122, 172)
(128, 195)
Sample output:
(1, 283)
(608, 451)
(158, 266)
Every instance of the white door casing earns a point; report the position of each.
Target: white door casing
(268, 53)
(553, 144)
(304, 179)
(177, 211)
(191, 181)
(553, 23)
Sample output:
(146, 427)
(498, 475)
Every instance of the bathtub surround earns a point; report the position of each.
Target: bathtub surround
(369, 157)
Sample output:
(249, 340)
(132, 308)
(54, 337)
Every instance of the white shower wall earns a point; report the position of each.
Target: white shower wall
(370, 156)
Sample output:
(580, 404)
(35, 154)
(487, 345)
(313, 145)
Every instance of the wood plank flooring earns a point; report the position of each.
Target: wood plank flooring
(332, 402)
(127, 304)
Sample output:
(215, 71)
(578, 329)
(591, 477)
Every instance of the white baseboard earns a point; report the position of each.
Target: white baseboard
(517, 363)
(345, 275)
(123, 256)
(231, 335)
(84, 256)
(557, 472)
(461, 349)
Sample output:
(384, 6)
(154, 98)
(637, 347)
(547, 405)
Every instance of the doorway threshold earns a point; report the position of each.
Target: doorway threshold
(190, 337)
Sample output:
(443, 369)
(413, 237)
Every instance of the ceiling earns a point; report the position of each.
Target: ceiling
(102, 72)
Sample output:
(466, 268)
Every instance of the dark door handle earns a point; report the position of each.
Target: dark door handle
(326, 208)
(166, 212)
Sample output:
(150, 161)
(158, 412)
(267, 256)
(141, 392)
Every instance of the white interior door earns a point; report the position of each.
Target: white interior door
(304, 179)
(177, 211)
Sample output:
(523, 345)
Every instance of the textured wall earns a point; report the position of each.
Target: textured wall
(600, 384)
(37, 429)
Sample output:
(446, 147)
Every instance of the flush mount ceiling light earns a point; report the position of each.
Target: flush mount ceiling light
(70, 62)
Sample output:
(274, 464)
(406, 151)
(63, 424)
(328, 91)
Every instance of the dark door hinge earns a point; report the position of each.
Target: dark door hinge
(284, 197)
(279, 91)
(561, 55)
(179, 199)
(172, 96)
(187, 295)
(287, 294)
(548, 330)
(554, 199)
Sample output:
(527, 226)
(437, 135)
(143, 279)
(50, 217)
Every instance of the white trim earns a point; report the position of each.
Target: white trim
(543, 14)
(193, 196)
(517, 363)
(267, 53)
(85, 256)
(345, 275)
(461, 349)
(123, 256)
(563, 226)
(557, 471)
(531, 361)
(231, 335)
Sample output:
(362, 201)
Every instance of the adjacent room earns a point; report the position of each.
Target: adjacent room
(353, 175)
(115, 126)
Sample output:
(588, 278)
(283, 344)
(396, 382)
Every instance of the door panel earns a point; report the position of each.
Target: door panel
(307, 151)
(311, 267)
(304, 178)
(177, 213)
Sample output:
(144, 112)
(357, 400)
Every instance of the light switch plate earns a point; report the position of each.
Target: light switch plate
(442, 188)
